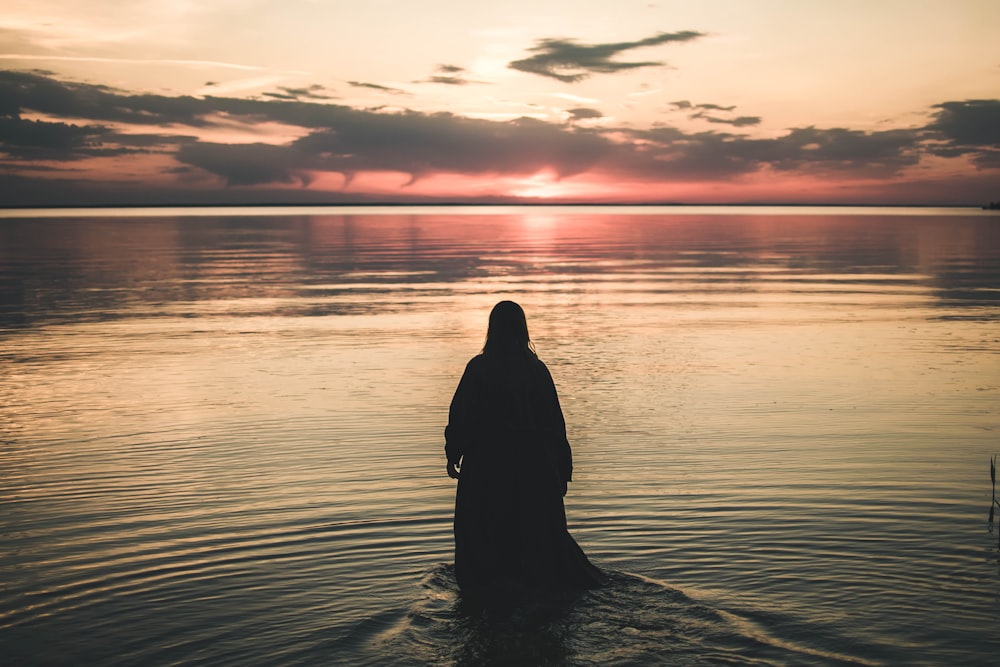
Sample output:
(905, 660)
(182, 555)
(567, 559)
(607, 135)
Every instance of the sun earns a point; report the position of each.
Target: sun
(543, 185)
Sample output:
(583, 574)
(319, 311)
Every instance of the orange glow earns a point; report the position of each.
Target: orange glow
(543, 186)
(919, 185)
(601, 186)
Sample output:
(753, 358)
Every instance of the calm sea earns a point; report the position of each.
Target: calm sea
(221, 433)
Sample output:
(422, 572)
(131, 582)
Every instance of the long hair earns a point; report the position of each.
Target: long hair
(508, 332)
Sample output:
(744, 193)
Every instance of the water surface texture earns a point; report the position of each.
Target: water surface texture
(221, 434)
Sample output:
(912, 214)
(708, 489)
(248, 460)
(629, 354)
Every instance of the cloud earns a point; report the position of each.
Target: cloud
(883, 152)
(420, 144)
(248, 164)
(449, 80)
(685, 105)
(583, 113)
(82, 121)
(378, 87)
(152, 141)
(47, 139)
(969, 127)
(569, 61)
(33, 92)
(668, 152)
(281, 96)
(701, 112)
(450, 75)
(714, 107)
(412, 143)
(970, 123)
(424, 144)
(738, 121)
(313, 92)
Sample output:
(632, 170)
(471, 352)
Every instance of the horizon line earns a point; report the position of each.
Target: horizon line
(425, 203)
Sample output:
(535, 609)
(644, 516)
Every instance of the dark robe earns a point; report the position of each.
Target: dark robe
(507, 429)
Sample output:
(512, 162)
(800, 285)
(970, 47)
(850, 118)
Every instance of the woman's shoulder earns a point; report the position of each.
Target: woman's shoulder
(481, 361)
(541, 368)
(535, 367)
(475, 363)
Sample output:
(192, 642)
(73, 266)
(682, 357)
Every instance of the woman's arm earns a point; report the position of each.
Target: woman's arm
(458, 431)
(556, 426)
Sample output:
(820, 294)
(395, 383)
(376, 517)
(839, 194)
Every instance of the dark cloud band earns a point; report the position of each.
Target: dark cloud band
(340, 139)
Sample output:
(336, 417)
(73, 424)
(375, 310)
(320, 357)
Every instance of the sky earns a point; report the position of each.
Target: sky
(328, 101)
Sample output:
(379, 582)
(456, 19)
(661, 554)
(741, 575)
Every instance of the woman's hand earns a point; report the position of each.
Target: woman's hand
(453, 470)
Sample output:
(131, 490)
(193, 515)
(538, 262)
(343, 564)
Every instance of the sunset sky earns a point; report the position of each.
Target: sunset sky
(715, 101)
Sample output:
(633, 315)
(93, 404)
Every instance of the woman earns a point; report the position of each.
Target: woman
(506, 444)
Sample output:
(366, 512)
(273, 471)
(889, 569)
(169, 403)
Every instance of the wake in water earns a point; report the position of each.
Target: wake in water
(633, 620)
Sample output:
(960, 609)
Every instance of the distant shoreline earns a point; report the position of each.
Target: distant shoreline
(426, 204)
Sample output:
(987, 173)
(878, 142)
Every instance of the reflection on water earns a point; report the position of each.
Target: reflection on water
(221, 434)
(318, 265)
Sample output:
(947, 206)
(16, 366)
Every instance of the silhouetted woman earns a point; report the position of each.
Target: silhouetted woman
(506, 444)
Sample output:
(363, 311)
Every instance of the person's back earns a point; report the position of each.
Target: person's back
(506, 443)
(511, 396)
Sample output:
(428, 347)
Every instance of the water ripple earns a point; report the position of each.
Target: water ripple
(221, 440)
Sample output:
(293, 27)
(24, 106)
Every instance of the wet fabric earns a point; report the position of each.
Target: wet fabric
(507, 430)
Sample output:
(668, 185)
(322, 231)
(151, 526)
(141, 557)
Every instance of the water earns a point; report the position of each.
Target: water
(222, 434)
